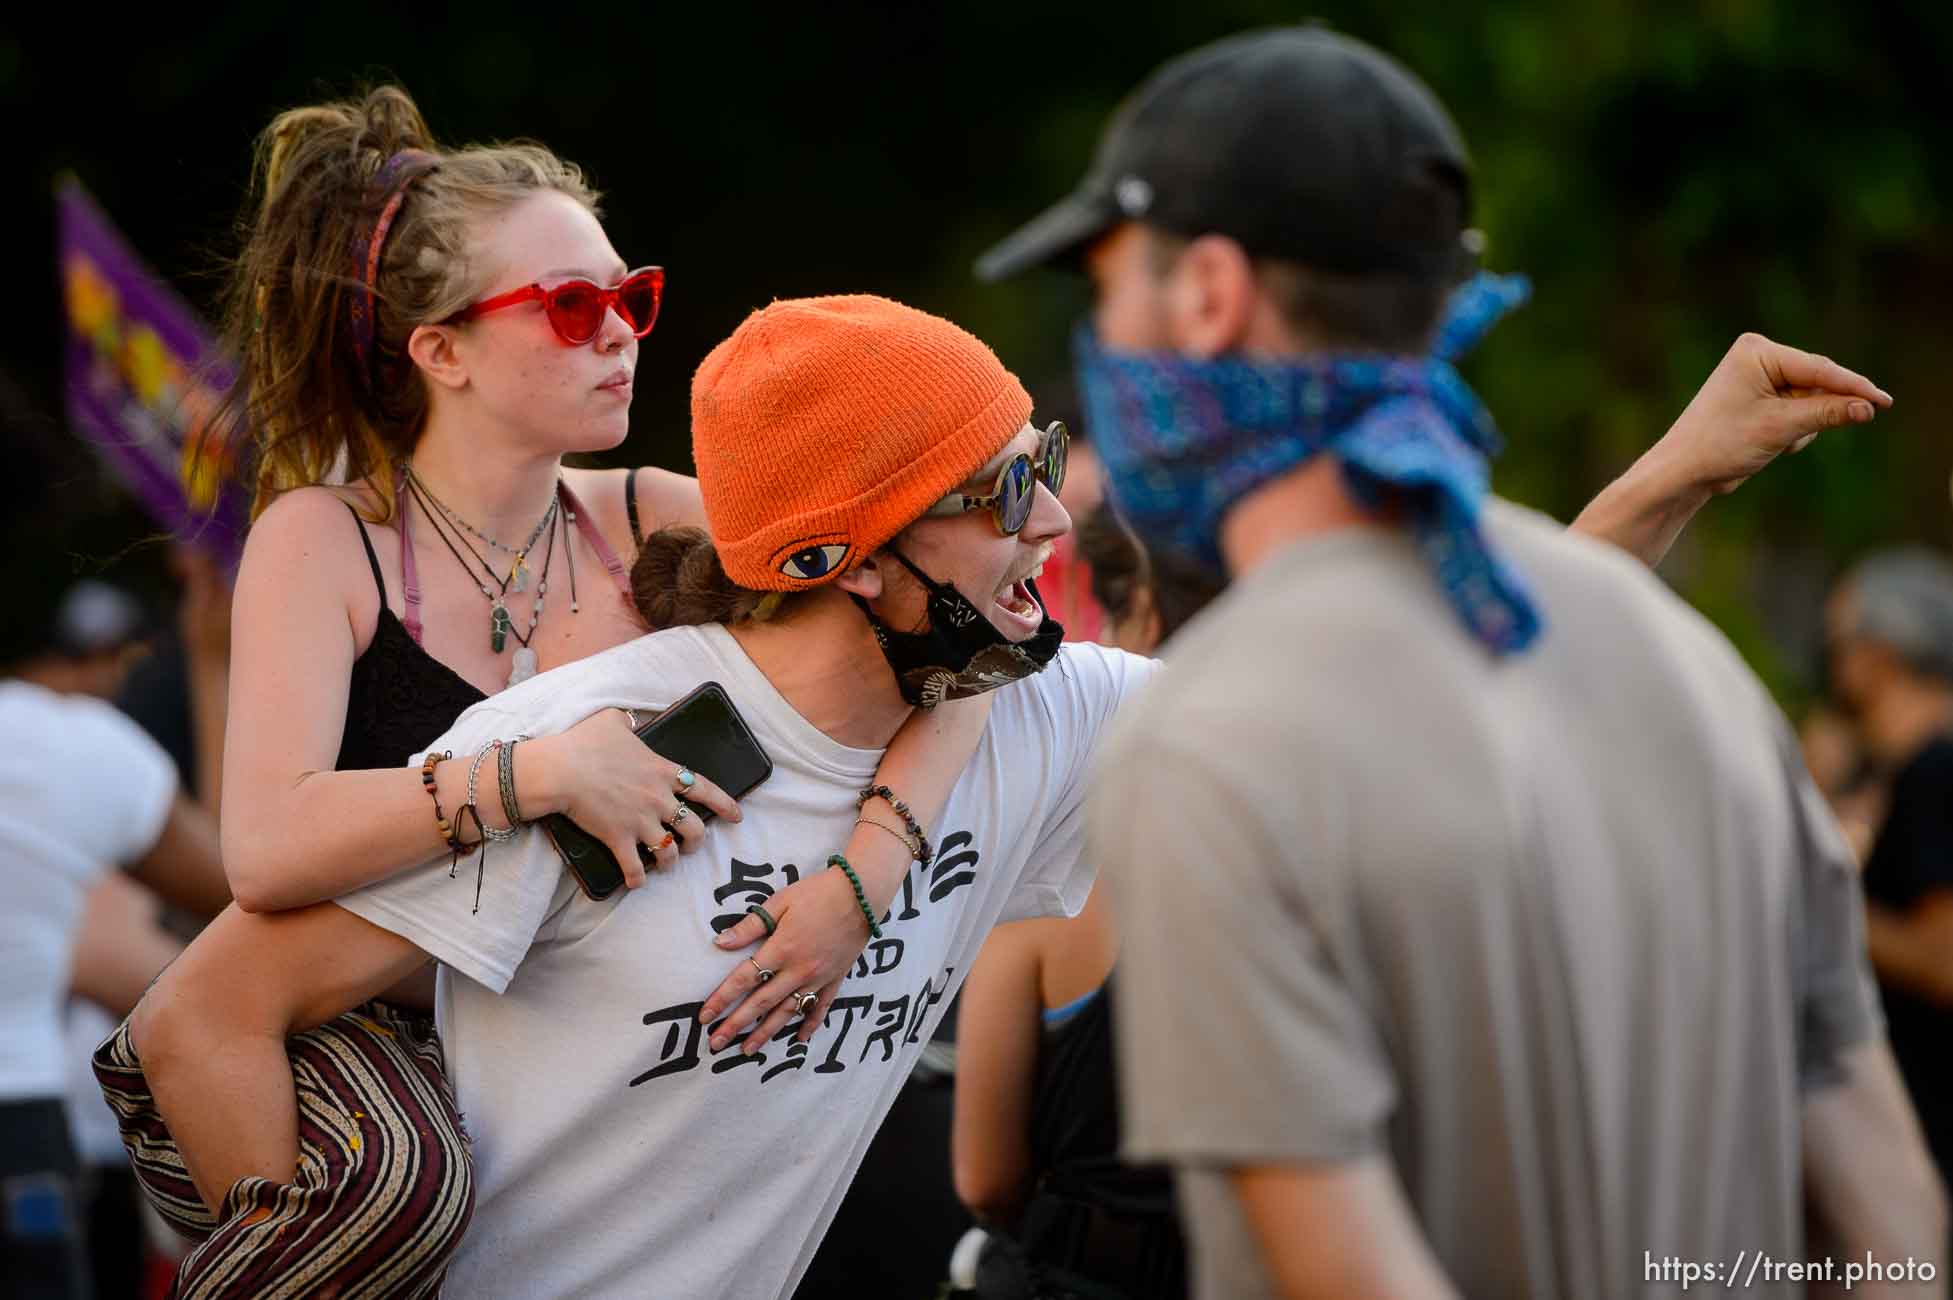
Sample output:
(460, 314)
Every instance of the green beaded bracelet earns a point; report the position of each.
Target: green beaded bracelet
(860, 894)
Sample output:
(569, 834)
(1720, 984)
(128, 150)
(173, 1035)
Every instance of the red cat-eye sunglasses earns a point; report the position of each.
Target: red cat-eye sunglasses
(576, 307)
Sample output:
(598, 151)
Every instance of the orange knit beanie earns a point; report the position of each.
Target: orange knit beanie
(825, 426)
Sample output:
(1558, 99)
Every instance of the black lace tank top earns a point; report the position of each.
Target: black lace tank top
(400, 698)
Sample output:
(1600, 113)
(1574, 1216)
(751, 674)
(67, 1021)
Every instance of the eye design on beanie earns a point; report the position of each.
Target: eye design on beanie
(816, 563)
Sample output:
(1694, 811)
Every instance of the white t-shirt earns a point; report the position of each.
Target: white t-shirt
(615, 1156)
(82, 789)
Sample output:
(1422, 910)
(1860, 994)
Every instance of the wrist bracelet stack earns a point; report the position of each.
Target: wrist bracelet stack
(860, 895)
(474, 770)
(451, 831)
(918, 842)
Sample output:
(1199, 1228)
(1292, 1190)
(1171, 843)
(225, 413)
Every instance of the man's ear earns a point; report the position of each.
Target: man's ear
(433, 349)
(864, 580)
(1210, 297)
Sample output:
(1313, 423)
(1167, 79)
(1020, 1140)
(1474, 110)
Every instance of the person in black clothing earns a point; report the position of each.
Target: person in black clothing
(1889, 650)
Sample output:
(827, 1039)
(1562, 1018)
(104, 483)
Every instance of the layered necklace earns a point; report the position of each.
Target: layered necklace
(500, 626)
(518, 579)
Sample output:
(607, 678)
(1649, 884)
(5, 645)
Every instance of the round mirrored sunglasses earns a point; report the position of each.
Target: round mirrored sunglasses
(1016, 489)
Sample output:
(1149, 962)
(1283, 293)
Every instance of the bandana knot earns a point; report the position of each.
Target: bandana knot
(1183, 440)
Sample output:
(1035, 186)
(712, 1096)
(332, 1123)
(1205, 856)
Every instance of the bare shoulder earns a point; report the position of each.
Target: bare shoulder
(306, 546)
(667, 500)
(313, 522)
(601, 492)
(663, 499)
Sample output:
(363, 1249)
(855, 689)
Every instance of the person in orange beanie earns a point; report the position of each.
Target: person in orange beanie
(882, 505)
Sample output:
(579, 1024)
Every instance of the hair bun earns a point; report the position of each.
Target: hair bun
(678, 581)
(365, 132)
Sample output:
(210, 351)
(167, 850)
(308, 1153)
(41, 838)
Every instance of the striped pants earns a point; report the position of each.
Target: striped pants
(385, 1183)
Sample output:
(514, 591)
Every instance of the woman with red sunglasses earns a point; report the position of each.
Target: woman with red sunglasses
(422, 336)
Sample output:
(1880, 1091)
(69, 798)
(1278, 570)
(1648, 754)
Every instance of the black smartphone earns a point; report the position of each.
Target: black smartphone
(703, 732)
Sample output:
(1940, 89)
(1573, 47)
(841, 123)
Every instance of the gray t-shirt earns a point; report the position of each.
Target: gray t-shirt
(1563, 936)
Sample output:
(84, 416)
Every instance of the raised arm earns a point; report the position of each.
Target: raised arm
(211, 1031)
(817, 946)
(1763, 400)
(297, 832)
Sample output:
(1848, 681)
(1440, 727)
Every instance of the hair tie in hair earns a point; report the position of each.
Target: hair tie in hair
(392, 179)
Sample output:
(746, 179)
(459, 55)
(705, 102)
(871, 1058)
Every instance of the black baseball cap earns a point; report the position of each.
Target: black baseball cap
(1297, 142)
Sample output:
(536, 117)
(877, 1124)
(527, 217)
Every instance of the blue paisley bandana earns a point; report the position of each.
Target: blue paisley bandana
(1183, 440)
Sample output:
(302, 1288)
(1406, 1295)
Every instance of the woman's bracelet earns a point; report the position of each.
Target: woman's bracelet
(915, 849)
(860, 895)
(488, 832)
(505, 769)
(921, 847)
(427, 781)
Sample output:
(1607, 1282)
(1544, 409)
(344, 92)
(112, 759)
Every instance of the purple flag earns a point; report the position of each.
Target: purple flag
(138, 386)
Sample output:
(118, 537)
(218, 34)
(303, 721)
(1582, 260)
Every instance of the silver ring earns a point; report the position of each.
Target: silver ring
(764, 973)
(804, 999)
(684, 811)
(686, 778)
(632, 715)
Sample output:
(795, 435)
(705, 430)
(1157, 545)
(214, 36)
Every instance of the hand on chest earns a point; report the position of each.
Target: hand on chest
(888, 1004)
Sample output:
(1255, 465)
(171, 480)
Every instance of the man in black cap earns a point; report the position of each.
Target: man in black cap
(1482, 929)
(1307, 149)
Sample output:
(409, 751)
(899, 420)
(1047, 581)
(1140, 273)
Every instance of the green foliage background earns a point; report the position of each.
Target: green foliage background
(1669, 174)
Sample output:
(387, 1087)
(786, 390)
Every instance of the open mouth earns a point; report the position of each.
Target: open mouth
(1016, 601)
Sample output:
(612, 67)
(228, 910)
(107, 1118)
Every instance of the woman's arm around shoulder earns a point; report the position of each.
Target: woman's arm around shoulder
(294, 830)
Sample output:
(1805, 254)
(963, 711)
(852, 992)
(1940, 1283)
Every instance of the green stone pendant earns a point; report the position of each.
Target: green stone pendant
(498, 628)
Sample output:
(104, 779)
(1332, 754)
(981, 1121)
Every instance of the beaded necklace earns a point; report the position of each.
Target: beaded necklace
(518, 579)
(500, 626)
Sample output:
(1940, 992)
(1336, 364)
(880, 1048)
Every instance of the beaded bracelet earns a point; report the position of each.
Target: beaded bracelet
(922, 850)
(860, 894)
(505, 769)
(434, 792)
(474, 769)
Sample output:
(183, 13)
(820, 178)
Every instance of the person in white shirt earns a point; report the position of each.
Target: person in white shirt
(83, 791)
(882, 506)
